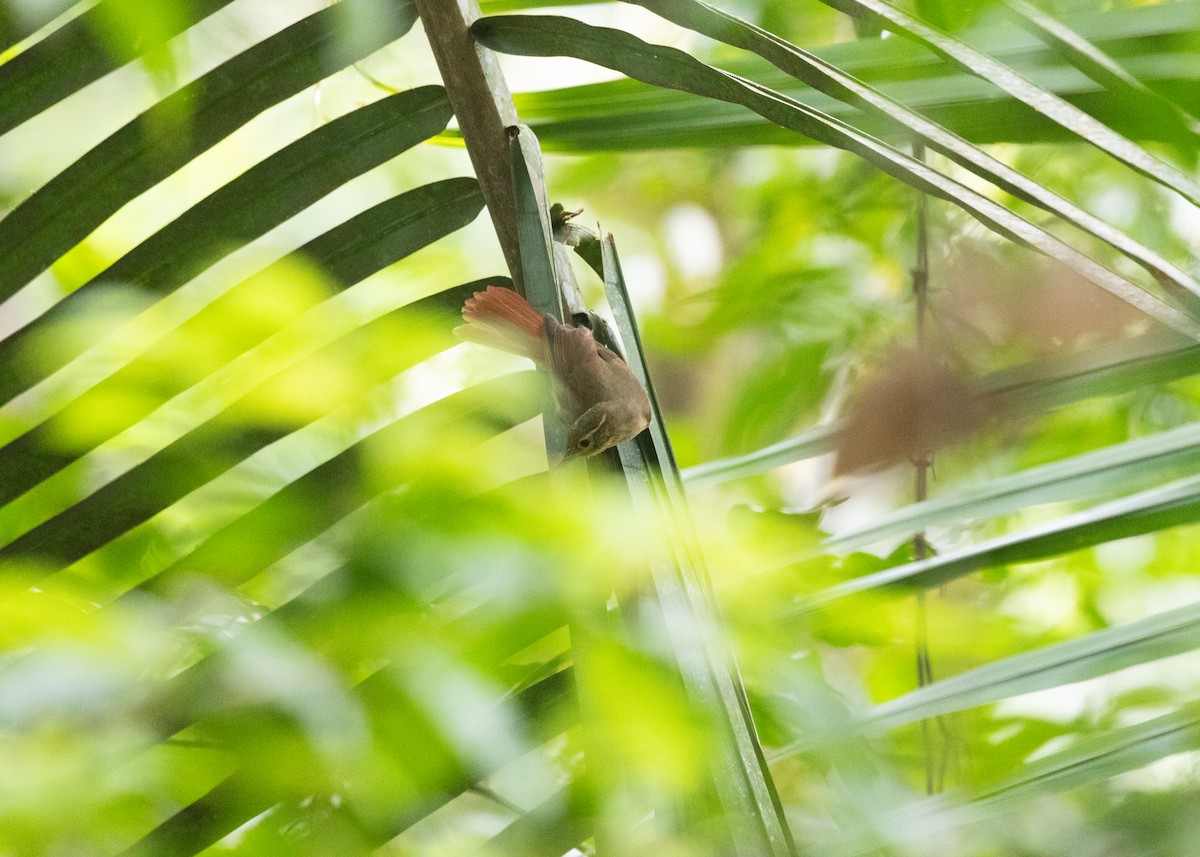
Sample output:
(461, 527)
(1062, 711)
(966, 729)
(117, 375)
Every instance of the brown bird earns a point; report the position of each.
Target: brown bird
(598, 397)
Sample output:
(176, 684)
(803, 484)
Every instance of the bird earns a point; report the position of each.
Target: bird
(597, 396)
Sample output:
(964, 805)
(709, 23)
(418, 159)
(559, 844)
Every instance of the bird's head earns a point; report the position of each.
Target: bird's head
(602, 427)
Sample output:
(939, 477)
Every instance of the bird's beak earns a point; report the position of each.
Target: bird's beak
(567, 456)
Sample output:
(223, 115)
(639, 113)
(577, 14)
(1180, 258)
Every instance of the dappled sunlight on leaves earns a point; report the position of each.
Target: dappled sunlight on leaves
(287, 570)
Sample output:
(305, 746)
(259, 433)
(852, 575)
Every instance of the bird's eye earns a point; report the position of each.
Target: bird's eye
(584, 443)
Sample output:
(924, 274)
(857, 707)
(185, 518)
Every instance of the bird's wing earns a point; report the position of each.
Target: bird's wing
(607, 354)
(577, 362)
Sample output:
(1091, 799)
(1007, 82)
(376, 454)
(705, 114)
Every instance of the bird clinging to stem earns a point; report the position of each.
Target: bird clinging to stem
(597, 395)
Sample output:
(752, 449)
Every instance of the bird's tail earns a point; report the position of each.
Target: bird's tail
(503, 319)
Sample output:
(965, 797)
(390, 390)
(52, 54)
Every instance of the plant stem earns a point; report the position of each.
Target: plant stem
(483, 107)
(921, 464)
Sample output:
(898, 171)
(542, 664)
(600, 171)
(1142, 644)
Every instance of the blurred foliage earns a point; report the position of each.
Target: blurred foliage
(282, 570)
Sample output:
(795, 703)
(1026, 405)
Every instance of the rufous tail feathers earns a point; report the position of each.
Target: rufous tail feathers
(502, 319)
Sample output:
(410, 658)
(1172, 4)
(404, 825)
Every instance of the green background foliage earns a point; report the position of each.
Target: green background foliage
(283, 569)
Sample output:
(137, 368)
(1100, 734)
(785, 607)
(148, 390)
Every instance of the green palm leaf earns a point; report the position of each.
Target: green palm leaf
(827, 78)
(1151, 41)
(552, 36)
(1046, 103)
(163, 139)
(36, 78)
(266, 195)
(1159, 508)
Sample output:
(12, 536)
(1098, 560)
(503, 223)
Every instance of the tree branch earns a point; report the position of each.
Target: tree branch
(483, 106)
